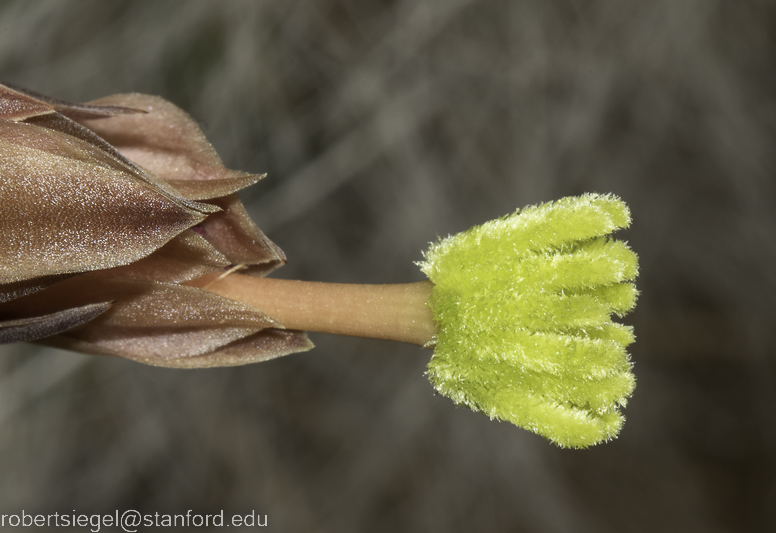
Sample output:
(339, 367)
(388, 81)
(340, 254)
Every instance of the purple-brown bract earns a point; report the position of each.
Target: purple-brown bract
(106, 209)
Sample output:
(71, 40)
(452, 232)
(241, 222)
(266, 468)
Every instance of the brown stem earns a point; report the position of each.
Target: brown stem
(393, 312)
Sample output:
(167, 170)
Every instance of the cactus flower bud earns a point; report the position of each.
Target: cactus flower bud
(107, 209)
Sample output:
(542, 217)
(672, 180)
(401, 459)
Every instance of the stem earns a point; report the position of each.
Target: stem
(392, 312)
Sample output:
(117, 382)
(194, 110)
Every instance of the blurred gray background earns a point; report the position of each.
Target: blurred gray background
(384, 124)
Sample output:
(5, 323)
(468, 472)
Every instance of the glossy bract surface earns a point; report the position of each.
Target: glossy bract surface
(106, 210)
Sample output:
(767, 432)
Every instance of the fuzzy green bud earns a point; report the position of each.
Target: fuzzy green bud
(524, 306)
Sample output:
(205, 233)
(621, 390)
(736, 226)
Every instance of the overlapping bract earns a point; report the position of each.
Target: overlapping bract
(107, 209)
(524, 306)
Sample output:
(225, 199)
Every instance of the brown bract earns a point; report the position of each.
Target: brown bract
(106, 209)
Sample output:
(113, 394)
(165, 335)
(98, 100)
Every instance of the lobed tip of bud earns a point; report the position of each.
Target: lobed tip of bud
(524, 306)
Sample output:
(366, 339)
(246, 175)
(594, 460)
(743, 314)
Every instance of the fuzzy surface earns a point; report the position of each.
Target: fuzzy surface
(524, 306)
(383, 124)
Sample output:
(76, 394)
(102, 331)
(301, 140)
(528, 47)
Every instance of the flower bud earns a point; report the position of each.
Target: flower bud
(106, 209)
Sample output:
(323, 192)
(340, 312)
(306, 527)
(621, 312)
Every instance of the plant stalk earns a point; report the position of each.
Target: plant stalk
(393, 312)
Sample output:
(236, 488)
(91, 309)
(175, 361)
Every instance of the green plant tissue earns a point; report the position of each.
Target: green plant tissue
(524, 306)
